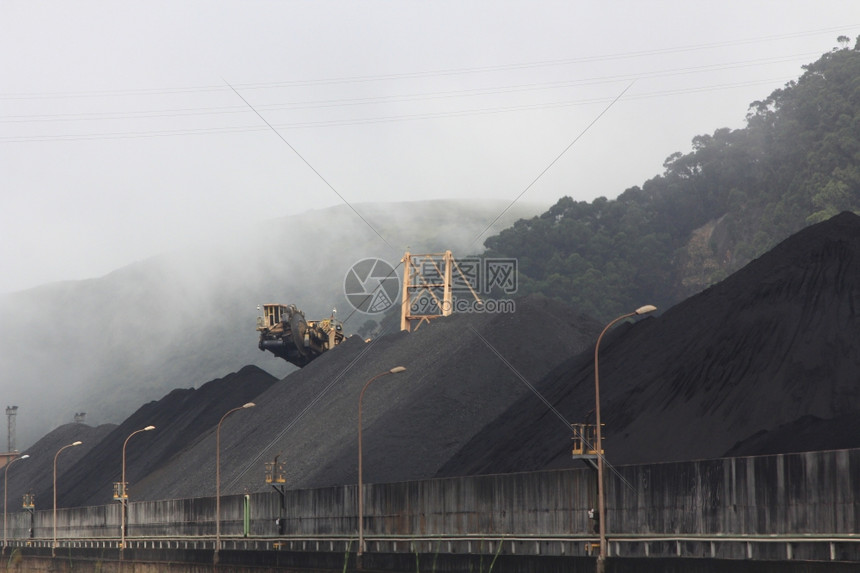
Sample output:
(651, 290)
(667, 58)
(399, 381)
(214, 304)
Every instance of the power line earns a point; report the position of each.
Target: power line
(311, 167)
(551, 163)
(474, 92)
(372, 120)
(432, 73)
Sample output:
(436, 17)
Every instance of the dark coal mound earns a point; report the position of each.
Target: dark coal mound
(36, 473)
(455, 383)
(805, 434)
(179, 419)
(773, 343)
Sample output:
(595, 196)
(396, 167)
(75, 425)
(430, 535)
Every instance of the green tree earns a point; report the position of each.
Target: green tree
(796, 162)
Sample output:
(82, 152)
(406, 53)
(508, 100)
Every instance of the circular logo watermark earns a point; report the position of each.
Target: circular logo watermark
(371, 286)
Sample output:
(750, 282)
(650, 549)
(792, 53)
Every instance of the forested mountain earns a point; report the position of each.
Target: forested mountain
(733, 197)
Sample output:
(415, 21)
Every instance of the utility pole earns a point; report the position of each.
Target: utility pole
(11, 411)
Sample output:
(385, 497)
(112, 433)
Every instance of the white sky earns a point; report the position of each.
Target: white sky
(120, 138)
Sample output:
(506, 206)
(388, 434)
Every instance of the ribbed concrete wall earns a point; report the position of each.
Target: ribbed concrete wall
(809, 493)
(538, 503)
(801, 494)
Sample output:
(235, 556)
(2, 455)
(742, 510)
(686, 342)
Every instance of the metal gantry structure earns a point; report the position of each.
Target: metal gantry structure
(428, 287)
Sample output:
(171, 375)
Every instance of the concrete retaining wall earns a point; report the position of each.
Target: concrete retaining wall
(808, 493)
(814, 497)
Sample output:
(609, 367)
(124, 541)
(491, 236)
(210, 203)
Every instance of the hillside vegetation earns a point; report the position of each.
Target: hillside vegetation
(733, 197)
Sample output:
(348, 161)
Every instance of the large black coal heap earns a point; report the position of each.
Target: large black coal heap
(774, 342)
(458, 378)
(808, 433)
(35, 474)
(180, 418)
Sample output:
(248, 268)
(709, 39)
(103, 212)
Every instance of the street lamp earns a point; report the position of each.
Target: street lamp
(601, 504)
(123, 494)
(5, 489)
(394, 370)
(218, 479)
(54, 546)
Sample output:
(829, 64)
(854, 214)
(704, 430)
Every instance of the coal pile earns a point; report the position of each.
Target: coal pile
(767, 360)
(36, 474)
(89, 470)
(455, 383)
(808, 433)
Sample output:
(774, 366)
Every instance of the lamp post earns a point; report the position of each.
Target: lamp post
(601, 504)
(5, 489)
(394, 370)
(218, 479)
(122, 490)
(54, 545)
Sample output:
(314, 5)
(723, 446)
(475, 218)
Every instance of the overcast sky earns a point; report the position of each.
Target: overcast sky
(121, 136)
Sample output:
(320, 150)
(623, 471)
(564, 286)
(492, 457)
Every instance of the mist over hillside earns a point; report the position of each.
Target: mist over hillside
(106, 345)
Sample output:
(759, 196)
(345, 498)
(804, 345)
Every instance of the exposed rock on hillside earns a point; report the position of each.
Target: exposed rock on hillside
(702, 260)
